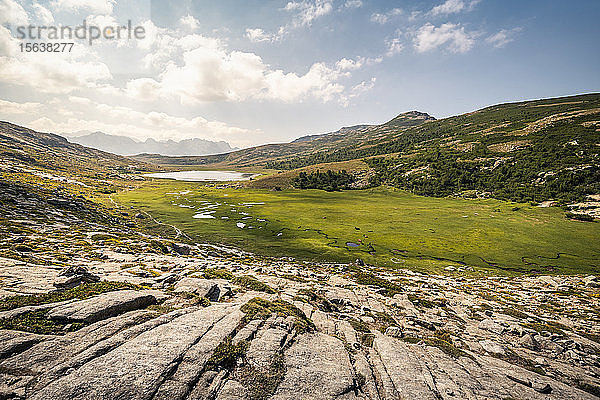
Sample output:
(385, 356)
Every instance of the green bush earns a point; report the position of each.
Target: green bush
(251, 283)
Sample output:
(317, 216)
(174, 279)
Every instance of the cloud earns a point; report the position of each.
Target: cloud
(386, 17)
(51, 72)
(189, 22)
(353, 4)
(42, 14)
(304, 13)
(363, 87)
(454, 7)
(11, 108)
(216, 74)
(502, 37)
(12, 12)
(394, 46)
(428, 37)
(119, 120)
(92, 6)
(307, 11)
(257, 35)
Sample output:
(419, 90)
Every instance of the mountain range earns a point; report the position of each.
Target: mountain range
(124, 145)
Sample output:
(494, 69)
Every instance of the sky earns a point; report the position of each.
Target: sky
(264, 71)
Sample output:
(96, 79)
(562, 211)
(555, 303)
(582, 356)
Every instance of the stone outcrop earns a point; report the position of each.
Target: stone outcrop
(103, 306)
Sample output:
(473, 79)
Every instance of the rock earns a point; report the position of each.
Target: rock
(137, 368)
(265, 345)
(247, 331)
(492, 347)
(202, 287)
(103, 306)
(233, 390)
(491, 326)
(592, 281)
(73, 276)
(181, 249)
(12, 342)
(393, 331)
(528, 341)
(317, 367)
(360, 262)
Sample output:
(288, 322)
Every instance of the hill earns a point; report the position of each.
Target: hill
(124, 145)
(306, 146)
(527, 151)
(20, 146)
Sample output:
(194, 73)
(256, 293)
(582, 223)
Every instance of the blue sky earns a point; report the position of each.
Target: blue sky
(252, 72)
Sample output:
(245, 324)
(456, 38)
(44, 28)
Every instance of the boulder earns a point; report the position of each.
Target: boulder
(73, 276)
(208, 288)
(103, 306)
(492, 347)
(490, 325)
(317, 367)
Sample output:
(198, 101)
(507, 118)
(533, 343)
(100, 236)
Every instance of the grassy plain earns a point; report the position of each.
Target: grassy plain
(383, 226)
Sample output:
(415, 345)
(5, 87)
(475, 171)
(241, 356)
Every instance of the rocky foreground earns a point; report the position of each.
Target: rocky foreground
(93, 307)
(281, 330)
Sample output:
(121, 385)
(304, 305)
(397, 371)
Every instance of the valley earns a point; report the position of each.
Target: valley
(409, 283)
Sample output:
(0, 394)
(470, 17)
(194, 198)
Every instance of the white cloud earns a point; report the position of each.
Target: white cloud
(386, 17)
(428, 37)
(353, 4)
(189, 22)
(257, 35)
(50, 72)
(12, 12)
(394, 46)
(502, 37)
(307, 11)
(454, 7)
(42, 14)
(92, 6)
(215, 74)
(362, 87)
(118, 120)
(11, 108)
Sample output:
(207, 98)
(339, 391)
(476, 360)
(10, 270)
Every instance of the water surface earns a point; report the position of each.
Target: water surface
(203, 176)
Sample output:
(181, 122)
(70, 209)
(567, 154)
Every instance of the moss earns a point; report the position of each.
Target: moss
(81, 292)
(258, 308)
(410, 339)
(251, 283)
(365, 278)
(161, 309)
(384, 321)
(316, 299)
(447, 347)
(513, 312)
(359, 325)
(159, 246)
(23, 248)
(511, 357)
(226, 355)
(541, 327)
(195, 299)
(294, 278)
(261, 384)
(37, 322)
(366, 339)
(217, 273)
(102, 236)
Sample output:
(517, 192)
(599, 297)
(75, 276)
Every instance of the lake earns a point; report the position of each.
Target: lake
(203, 176)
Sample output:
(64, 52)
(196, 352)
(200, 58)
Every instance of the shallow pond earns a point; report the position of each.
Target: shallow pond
(203, 176)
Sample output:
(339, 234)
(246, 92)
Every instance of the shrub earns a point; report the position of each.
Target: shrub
(251, 283)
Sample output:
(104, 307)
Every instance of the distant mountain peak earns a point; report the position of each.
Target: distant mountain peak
(409, 118)
(124, 145)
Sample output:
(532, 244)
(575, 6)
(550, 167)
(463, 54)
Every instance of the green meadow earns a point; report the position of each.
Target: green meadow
(382, 226)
